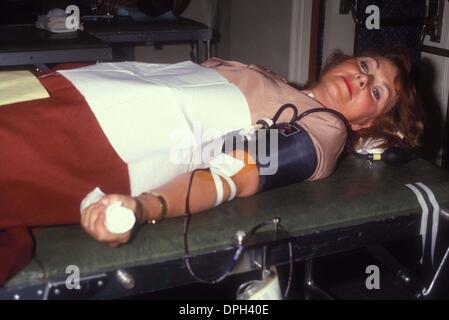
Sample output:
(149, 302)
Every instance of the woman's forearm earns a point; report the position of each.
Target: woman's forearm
(202, 195)
(147, 207)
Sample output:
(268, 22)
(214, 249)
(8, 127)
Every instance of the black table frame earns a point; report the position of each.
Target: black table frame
(181, 30)
(307, 246)
(26, 45)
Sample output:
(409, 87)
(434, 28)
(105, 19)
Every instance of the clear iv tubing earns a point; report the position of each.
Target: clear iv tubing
(238, 251)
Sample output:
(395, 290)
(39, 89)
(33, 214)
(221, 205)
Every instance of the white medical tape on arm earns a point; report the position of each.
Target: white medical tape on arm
(424, 216)
(435, 215)
(216, 174)
(218, 187)
(225, 166)
(232, 186)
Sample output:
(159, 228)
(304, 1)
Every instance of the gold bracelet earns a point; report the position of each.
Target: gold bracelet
(140, 211)
(163, 205)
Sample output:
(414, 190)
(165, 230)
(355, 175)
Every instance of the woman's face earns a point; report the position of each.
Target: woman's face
(360, 88)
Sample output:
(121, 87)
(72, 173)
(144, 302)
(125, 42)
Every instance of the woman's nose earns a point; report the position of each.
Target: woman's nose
(362, 80)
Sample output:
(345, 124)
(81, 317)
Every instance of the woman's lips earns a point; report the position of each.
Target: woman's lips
(348, 85)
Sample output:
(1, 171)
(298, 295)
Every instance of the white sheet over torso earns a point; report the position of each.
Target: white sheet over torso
(149, 112)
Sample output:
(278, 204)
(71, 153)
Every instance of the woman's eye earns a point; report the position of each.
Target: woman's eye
(376, 93)
(364, 66)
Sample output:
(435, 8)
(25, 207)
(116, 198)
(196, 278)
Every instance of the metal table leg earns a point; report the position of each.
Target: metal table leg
(311, 289)
(200, 50)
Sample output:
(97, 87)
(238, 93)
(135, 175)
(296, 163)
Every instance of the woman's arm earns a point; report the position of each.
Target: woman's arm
(202, 197)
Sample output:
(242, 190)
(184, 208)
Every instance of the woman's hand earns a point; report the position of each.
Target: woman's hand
(93, 220)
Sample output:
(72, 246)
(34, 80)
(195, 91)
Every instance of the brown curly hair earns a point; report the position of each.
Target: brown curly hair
(402, 125)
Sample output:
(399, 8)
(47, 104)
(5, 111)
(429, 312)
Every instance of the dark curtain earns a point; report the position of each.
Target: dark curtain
(393, 13)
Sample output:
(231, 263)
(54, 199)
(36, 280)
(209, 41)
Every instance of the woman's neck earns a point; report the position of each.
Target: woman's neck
(309, 93)
(316, 95)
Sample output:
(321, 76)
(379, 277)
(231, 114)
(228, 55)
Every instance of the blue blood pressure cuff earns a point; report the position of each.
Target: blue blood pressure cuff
(284, 154)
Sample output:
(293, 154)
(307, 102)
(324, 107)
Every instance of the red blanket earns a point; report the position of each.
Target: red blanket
(53, 153)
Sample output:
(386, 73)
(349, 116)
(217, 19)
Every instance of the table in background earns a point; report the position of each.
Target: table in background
(26, 45)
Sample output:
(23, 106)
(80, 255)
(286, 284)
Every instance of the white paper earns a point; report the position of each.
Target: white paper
(92, 197)
(119, 219)
(148, 110)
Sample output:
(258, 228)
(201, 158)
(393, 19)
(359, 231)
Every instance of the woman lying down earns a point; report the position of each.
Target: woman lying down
(137, 131)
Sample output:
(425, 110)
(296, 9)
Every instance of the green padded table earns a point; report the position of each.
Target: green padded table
(359, 205)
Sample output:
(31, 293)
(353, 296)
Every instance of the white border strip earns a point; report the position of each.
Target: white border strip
(435, 215)
(424, 217)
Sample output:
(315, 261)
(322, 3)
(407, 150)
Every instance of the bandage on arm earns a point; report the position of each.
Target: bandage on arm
(203, 191)
(225, 166)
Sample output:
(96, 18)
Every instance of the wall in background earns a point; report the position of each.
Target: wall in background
(435, 91)
(200, 10)
(250, 31)
(260, 33)
(301, 40)
(339, 30)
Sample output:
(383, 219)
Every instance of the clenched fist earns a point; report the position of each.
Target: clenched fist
(93, 220)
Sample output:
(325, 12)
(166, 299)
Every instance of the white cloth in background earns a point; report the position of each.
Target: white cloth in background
(54, 21)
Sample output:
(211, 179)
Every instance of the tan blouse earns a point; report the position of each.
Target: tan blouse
(266, 92)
